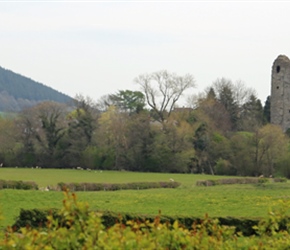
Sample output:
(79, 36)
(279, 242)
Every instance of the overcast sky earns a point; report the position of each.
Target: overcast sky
(96, 48)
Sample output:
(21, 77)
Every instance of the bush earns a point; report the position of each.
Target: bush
(34, 218)
(26, 185)
(263, 180)
(280, 179)
(250, 180)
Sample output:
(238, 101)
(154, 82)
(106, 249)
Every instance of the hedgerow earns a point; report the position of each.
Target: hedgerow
(38, 218)
(26, 185)
(249, 180)
(115, 186)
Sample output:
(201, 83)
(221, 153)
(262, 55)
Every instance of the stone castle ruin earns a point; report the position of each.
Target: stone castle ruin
(280, 92)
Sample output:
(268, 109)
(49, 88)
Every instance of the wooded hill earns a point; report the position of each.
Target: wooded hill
(18, 92)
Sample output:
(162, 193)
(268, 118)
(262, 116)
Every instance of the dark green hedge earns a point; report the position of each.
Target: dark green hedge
(115, 186)
(26, 185)
(248, 180)
(38, 218)
(33, 218)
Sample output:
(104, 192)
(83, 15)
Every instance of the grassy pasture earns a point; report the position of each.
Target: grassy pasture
(44, 177)
(188, 199)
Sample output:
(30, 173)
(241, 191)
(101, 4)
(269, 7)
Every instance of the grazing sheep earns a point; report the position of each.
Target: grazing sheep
(171, 179)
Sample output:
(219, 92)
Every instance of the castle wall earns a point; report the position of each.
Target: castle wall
(280, 92)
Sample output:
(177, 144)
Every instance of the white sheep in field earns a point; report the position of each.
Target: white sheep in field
(171, 179)
(44, 188)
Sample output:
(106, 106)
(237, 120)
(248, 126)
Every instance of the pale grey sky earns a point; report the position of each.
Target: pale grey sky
(99, 47)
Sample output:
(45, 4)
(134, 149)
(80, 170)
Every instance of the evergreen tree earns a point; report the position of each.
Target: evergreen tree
(128, 101)
(251, 116)
(226, 98)
(267, 110)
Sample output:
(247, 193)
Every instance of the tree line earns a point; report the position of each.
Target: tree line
(225, 130)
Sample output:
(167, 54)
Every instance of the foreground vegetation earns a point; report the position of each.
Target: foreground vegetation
(81, 228)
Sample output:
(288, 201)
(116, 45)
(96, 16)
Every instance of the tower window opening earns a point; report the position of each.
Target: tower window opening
(278, 69)
(277, 87)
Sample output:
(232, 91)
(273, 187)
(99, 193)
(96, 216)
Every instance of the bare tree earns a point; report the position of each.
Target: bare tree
(163, 89)
(104, 103)
(243, 93)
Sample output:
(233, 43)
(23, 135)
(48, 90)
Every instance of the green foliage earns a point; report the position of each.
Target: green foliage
(33, 218)
(223, 167)
(25, 185)
(274, 230)
(251, 117)
(77, 227)
(283, 165)
(227, 181)
(242, 153)
(36, 218)
(91, 157)
(226, 97)
(267, 111)
(223, 134)
(263, 180)
(135, 141)
(280, 179)
(128, 101)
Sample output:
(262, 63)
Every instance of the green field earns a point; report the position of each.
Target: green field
(187, 200)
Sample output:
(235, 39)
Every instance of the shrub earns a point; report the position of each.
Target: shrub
(250, 180)
(263, 180)
(33, 218)
(26, 185)
(280, 179)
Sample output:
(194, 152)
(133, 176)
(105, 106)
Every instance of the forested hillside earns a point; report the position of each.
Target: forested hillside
(18, 92)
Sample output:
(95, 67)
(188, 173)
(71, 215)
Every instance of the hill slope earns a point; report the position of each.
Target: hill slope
(18, 92)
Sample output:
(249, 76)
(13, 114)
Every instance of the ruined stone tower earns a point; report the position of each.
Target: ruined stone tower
(280, 92)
